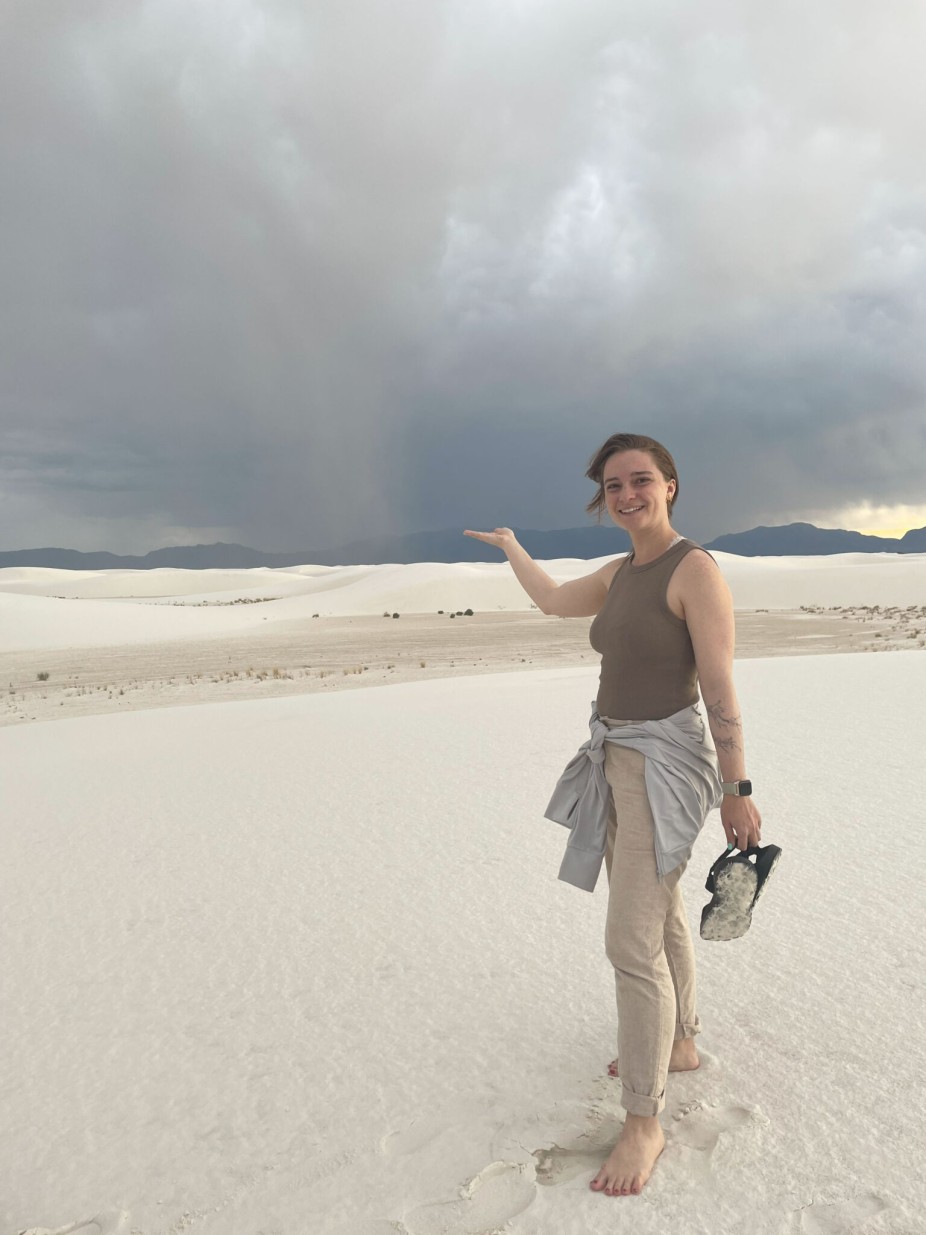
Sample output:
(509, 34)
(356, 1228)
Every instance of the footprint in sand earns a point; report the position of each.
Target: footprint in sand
(556, 1164)
(574, 1137)
(493, 1197)
(699, 1128)
(560, 1163)
(839, 1218)
(110, 1222)
(696, 1128)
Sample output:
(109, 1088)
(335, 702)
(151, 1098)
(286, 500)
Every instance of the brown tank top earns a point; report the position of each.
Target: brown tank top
(647, 661)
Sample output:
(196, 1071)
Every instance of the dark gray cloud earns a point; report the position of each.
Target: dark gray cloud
(290, 274)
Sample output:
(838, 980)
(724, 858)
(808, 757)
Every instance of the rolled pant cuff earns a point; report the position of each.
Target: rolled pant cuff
(640, 1104)
(687, 1031)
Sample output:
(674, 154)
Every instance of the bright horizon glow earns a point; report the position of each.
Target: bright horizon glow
(873, 520)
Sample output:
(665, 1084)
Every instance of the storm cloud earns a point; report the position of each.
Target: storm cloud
(294, 274)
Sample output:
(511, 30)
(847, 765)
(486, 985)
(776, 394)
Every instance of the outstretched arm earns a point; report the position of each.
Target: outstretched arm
(577, 598)
(709, 614)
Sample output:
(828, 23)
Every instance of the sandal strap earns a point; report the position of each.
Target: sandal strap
(732, 855)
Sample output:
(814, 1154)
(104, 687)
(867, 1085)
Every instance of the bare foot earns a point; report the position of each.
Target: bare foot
(684, 1058)
(632, 1159)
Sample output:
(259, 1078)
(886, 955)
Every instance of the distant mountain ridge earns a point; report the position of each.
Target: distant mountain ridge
(799, 539)
(450, 545)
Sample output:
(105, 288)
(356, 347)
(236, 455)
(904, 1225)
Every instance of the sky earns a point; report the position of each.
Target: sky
(291, 275)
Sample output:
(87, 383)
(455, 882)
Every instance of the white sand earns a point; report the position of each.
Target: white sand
(61, 608)
(303, 965)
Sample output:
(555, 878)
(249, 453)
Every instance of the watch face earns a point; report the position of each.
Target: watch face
(745, 788)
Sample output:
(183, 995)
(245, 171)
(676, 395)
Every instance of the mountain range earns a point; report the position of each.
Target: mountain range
(450, 545)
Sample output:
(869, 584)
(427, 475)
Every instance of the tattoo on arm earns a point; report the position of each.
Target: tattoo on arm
(727, 744)
(718, 717)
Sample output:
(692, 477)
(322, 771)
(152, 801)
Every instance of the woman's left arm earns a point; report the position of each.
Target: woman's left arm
(708, 606)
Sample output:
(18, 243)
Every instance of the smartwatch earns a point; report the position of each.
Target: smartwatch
(737, 788)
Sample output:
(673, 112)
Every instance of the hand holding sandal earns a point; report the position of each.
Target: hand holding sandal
(736, 882)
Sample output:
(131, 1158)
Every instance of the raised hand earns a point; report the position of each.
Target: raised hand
(502, 538)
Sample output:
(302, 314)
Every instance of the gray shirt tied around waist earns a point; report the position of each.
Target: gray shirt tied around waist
(682, 784)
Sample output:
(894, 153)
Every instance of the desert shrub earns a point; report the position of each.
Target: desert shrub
(467, 613)
(453, 615)
(43, 676)
(395, 615)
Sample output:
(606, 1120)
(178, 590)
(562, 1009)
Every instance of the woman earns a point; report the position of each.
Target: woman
(664, 626)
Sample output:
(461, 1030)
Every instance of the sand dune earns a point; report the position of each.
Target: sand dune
(40, 608)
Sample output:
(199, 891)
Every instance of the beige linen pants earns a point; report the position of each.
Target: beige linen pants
(647, 940)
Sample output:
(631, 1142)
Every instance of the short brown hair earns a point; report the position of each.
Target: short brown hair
(617, 443)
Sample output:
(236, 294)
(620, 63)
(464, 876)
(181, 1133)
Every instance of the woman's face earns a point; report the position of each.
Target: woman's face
(635, 491)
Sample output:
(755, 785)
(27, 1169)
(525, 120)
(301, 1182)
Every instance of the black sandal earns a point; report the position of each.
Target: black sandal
(735, 884)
